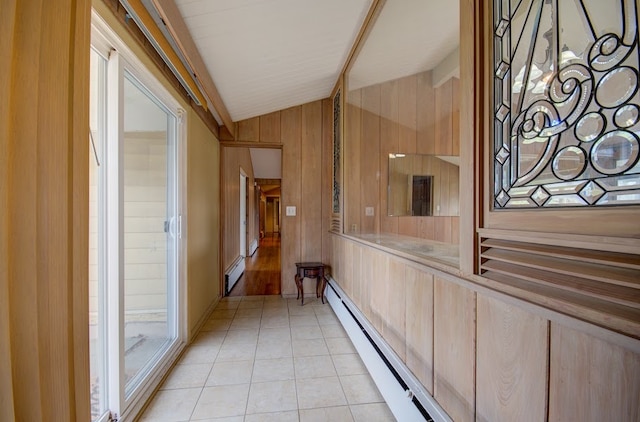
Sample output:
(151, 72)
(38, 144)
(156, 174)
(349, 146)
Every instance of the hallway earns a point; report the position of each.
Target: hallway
(265, 358)
(262, 272)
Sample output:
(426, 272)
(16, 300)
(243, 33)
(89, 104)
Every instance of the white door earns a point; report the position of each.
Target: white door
(243, 215)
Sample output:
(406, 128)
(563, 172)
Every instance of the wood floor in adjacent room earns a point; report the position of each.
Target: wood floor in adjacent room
(262, 270)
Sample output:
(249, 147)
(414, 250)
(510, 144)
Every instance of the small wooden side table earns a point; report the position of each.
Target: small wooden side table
(310, 270)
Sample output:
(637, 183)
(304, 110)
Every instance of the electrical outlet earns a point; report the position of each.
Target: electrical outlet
(368, 211)
(354, 227)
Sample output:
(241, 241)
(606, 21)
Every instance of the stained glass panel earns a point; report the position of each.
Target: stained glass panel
(566, 104)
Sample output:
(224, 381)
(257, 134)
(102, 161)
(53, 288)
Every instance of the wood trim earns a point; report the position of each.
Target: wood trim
(358, 43)
(132, 28)
(471, 128)
(245, 144)
(178, 29)
(149, 24)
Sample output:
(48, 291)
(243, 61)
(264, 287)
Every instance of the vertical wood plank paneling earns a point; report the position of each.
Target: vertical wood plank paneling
(291, 196)
(327, 176)
(443, 119)
(270, 128)
(512, 349)
(454, 349)
(310, 181)
(425, 114)
(591, 380)
(455, 116)
(7, 34)
(379, 289)
(351, 159)
(44, 218)
(468, 137)
(388, 144)
(407, 91)
(393, 327)
(419, 325)
(248, 130)
(370, 158)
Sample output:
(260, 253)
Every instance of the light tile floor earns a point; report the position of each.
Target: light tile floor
(265, 358)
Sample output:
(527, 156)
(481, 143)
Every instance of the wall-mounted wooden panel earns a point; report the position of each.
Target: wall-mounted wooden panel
(419, 325)
(454, 349)
(407, 114)
(511, 382)
(326, 170)
(444, 118)
(425, 114)
(310, 182)
(369, 160)
(592, 380)
(248, 130)
(393, 322)
(270, 128)
(352, 164)
(291, 129)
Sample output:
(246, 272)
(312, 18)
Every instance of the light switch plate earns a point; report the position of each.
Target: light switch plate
(291, 211)
(368, 211)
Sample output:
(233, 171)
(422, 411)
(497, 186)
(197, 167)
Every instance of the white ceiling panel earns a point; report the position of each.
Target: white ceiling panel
(268, 55)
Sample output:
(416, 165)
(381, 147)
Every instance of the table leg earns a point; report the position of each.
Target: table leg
(300, 288)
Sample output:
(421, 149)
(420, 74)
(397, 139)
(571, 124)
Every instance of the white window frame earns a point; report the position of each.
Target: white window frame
(120, 58)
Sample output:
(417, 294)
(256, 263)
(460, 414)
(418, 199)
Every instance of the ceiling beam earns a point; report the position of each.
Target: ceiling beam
(178, 29)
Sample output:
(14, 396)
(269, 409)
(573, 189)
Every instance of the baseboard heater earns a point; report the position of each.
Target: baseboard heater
(233, 273)
(404, 394)
(253, 246)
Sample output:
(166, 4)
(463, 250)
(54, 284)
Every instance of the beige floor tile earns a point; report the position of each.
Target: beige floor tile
(272, 396)
(314, 367)
(297, 310)
(249, 313)
(224, 313)
(187, 376)
(249, 336)
(340, 346)
(329, 319)
(373, 412)
(291, 416)
(209, 338)
(349, 364)
(313, 347)
(200, 354)
(268, 335)
(221, 401)
(333, 331)
(229, 419)
(250, 304)
(172, 405)
(227, 305)
(274, 349)
(306, 332)
(222, 324)
(274, 311)
(303, 320)
(360, 389)
(325, 414)
(274, 321)
(230, 373)
(319, 392)
(244, 323)
(273, 370)
(236, 352)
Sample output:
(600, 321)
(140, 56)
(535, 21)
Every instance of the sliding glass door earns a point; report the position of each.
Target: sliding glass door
(134, 235)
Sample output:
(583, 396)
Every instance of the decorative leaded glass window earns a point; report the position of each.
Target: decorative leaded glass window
(336, 152)
(566, 108)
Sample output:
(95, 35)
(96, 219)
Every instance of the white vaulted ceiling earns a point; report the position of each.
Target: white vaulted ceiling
(268, 55)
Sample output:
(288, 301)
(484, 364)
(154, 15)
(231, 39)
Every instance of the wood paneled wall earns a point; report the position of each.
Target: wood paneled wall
(44, 224)
(234, 159)
(304, 132)
(406, 115)
(486, 357)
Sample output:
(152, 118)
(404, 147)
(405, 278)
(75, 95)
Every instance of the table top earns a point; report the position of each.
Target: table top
(309, 264)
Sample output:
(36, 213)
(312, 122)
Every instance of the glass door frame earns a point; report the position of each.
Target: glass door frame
(120, 61)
